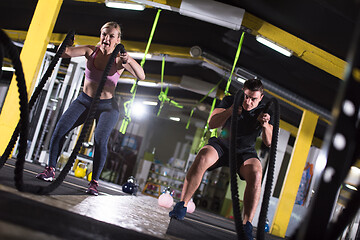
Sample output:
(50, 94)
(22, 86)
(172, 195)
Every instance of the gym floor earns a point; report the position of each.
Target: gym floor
(69, 213)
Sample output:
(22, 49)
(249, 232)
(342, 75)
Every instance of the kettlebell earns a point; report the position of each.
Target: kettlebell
(130, 186)
(166, 199)
(89, 177)
(80, 170)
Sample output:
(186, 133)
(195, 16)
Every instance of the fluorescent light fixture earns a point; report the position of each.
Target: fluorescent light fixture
(50, 46)
(274, 45)
(124, 5)
(150, 103)
(177, 119)
(351, 187)
(240, 79)
(9, 69)
(138, 55)
(355, 169)
(140, 83)
(147, 84)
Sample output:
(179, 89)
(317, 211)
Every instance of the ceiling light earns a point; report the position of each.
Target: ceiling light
(201, 107)
(353, 176)
(274, 45)
(124, 5)
(138, 110)
(50, 46)
(147, 84)
(10, 69)
(138, 55)
(355, 169)
(177, 119)
(351, 187)
(151, 103)
(240, 79)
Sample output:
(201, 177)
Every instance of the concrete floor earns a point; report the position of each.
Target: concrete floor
(139, 213)
(122, 213)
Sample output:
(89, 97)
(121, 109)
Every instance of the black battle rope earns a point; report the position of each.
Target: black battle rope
(23, 98)
(233, 169)
(86, 126)
(271, 168)
(69, 37)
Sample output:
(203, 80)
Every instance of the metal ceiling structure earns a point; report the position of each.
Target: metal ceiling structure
(318, 33)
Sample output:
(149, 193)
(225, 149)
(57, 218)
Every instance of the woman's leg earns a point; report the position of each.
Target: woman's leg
(105, 124)
(74, 116)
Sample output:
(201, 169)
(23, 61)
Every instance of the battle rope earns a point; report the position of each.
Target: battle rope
(24, 113)
(271, 169)
(69, 37)
(233, 168)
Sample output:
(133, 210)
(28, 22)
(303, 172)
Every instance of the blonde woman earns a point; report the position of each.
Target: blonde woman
(107, 112)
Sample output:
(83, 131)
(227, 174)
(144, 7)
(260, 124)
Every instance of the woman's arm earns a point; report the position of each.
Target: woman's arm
(132, 66)
(84, 50)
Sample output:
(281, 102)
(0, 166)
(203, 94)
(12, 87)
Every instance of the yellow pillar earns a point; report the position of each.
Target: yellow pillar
(294, 173)
(32, 54)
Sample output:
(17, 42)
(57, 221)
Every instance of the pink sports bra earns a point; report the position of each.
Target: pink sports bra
(94, 75)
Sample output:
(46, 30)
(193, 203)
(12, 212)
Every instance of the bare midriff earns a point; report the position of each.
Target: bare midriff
(90, 89)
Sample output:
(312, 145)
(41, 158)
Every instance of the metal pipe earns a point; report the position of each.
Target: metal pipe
(278, 90)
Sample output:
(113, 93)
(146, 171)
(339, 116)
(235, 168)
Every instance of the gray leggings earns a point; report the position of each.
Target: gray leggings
(106, 117)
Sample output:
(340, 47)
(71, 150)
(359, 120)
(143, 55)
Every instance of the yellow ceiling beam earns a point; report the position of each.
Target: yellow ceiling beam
(301, 49)
(131, 46)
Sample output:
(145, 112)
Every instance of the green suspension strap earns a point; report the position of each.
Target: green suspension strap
(235, 61)
(163, 94)
(213, 132)
(128, 104)
(194, 107)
